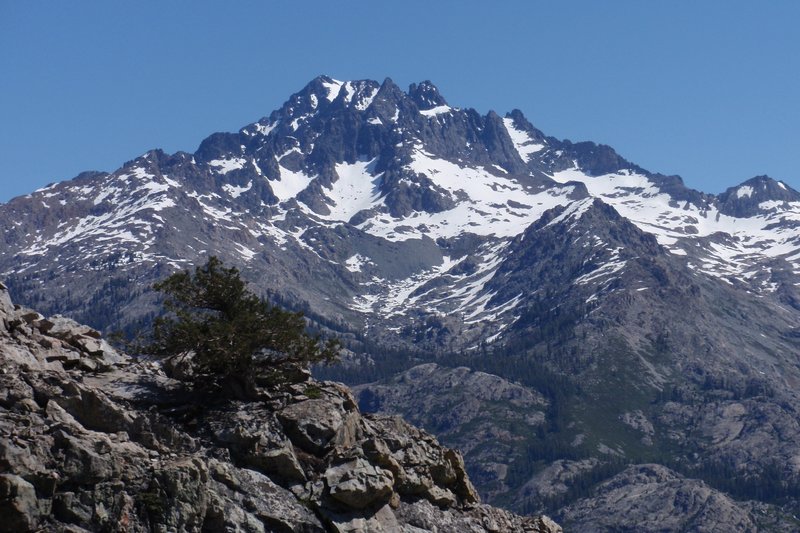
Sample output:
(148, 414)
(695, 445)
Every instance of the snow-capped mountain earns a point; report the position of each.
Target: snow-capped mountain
(670, 318)
(402, 205)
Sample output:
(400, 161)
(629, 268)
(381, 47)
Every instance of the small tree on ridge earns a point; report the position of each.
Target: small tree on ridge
(236, 337)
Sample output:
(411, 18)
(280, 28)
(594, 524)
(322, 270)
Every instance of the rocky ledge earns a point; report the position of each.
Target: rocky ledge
(94, 440)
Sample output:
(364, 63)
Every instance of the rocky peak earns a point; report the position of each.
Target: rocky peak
(597, 159)
(327, 94)
(88, 176)
(755, 196)
(581, 215)
(595, 223)
(319, 93)
(520, 122)
(426, 95)
(570, 254)
(676, 189)
(389, 100)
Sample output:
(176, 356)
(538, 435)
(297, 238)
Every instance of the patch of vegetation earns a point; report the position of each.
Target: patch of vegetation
(313, 392)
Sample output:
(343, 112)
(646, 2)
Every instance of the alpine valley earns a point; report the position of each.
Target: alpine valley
(603, 344)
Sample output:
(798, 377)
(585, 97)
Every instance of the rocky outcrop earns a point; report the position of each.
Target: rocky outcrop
(654, 498)
(93, 440)
(553, 482)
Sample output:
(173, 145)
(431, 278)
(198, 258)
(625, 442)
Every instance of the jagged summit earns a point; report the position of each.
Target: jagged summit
(426, 95)
(756, 195)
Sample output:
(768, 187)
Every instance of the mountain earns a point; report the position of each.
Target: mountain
(644, 321)
(95, 441)
(361, 198)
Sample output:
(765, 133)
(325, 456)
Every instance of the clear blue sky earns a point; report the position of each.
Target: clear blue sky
(709, 90)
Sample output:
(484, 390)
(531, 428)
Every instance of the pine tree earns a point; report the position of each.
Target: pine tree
(235, 336)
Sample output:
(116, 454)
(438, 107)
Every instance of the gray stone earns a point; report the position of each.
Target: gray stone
(6, 306)
(359, 484)
(19, 510)
(311, 424)
(66, 328)
(382, 521)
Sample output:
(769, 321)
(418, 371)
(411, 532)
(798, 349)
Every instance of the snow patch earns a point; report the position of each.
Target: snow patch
(366, 99)
(356, 263)
(482, 207)
(224, 166)
(438, 110)
(171, 182)
(290, 184)
(355, 190)
(525, 146)
(265, 129)
(246, 253)
(236, 191)
(350, 91)
(215, 213)
(333, 87)
(574, 211)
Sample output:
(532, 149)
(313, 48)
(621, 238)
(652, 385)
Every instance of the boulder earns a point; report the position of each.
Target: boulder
(255, 439)
(311, 424)
(96, 411)
(65, 328)
(180, 366)
(19, 511)
(245, 500)
(382, 521)
(359, 484)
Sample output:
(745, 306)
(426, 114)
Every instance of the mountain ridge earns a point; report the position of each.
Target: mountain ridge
(324, 84)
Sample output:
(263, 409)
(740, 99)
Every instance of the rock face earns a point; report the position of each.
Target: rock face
(92, 440)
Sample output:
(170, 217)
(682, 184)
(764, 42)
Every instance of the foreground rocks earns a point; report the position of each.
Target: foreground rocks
(91, 440)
